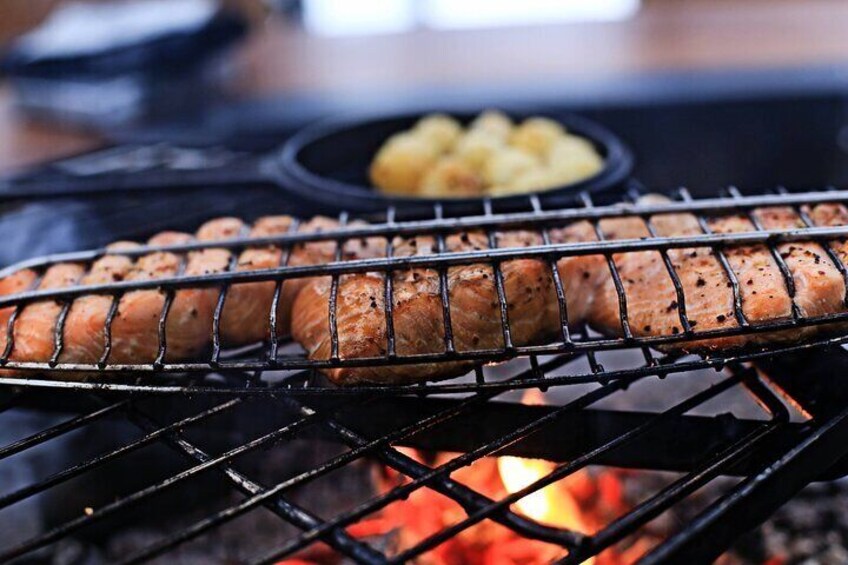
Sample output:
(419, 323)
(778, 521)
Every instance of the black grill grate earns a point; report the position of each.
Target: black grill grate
(776, 454)
(332, 531)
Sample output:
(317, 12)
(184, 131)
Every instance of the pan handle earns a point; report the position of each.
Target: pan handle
(127, 168)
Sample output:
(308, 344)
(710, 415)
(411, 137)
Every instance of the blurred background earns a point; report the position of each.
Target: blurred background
(706, 93)
(76, 73)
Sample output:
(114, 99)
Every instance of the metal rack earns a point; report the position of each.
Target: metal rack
(776, 455)
(270, 357)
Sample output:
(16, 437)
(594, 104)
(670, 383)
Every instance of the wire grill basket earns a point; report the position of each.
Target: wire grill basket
(287, 367)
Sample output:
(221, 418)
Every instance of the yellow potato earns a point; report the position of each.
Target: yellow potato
(451, 177)
(536, 135)
(506, 164)
(533, 180)
(572, 159)
(401, 163)
(475, 147)
(441, 130)
(494, 123)
(436, 158)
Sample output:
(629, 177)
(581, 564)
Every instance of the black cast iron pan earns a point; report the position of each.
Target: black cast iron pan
(323, 166)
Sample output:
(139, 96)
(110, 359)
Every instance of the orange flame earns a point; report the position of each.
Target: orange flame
(553, 505)
(581, 502)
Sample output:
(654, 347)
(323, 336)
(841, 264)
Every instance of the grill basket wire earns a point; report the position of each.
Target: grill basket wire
(301, 371)
(782, 442)
(722, 459)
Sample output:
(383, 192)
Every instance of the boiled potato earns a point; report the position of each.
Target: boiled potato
(533, 180)
(439, 129)
(536, 135)
(402, 162)
(507, 164)
(439, 158)
(493, 123)
(572, 159)
(451, 176)
(475, 147)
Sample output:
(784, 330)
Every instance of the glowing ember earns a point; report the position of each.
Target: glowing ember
(583, 502)
(552, 505)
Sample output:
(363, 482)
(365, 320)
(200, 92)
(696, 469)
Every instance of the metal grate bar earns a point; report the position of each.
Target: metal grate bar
(675, 280)
(288, 511)
(560, 471)
(738, 311)
(60, 429)
(388, 292)
(107, 331)
(634, 194)
(785, 273)
(159, 362)
(444, 289)
(59, 333)
(219, 306)
(613, 269)
(575, 249)
(334, 297)
(503, 306)
(73, 525)
(80, 468)
(551, 218)
(274, 339)
(562, 303)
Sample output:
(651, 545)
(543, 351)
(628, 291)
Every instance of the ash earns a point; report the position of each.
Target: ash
(810, 529)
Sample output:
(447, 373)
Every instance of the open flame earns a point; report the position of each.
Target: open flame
(584, 502)
(553, 505)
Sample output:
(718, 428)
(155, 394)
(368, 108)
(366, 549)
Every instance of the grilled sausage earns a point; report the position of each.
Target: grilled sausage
(84, 330)
(417, 321)
(189, 323)
(652, 302)
(15, 283)
(417, 312)
(34, 328)
(532, 306)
